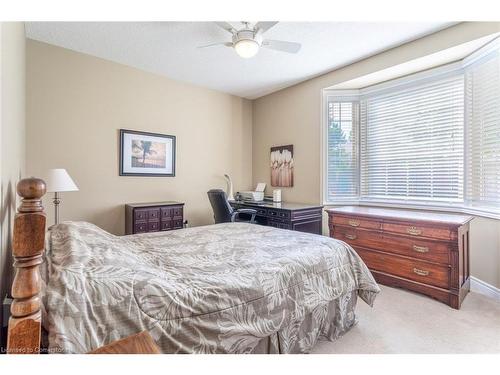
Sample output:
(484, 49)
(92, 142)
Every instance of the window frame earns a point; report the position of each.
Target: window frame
(347, 96)
(456, 68)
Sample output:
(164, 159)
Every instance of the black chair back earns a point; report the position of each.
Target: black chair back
(222, 209)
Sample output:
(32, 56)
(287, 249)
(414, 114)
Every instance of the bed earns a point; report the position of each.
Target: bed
(225, 288)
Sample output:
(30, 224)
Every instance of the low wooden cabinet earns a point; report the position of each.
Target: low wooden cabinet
(426, 252)
(153, 217)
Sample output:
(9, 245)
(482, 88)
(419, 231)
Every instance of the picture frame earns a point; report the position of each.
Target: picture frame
(146, 154)
(282, 166)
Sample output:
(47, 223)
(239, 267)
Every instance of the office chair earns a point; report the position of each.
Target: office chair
(223, 212)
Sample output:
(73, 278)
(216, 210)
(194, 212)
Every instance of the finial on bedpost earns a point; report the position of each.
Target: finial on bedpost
(31, 190)
(27, 248)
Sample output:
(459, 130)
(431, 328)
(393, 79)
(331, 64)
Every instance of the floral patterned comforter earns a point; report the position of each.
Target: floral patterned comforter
(213, 289)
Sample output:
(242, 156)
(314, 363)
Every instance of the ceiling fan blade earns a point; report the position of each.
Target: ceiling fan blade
(226, 26)
(264, 26)
(227, 44)
(281, 45)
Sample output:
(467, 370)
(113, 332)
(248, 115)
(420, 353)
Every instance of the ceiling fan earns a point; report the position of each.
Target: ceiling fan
(248, 40)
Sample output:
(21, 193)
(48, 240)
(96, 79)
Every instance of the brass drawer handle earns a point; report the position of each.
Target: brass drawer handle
(421, 272)
(351, 236)
(414, 231)
(421, 249)
(354, 223)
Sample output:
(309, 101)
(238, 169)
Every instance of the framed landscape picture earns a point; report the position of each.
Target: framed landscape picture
(146, 154)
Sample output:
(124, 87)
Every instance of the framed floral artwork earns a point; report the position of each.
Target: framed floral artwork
(282, 166)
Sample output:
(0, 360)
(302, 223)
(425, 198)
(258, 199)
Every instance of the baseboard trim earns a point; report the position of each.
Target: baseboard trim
(482, 287)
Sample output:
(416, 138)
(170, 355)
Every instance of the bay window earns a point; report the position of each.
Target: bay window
(431, 139)
(483, 133)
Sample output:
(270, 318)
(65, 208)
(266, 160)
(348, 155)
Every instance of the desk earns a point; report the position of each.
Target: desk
(295, 216)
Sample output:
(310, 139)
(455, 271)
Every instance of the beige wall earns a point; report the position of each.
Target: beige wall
(12, 128)
(293, 116)
(75, 105)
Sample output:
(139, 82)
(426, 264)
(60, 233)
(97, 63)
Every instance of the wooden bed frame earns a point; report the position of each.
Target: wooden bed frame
(25, 323)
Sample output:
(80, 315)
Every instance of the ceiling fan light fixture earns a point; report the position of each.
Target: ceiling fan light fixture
(246, 48)
(248, 40)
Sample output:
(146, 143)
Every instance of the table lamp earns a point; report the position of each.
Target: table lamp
(58, 180)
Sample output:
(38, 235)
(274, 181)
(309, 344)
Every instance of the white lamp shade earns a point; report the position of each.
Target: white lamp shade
(59, 180)
(246, 48)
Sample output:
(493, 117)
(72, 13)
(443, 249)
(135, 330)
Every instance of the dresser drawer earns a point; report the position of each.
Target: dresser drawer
(177, 212)
(166, 225)
(153, 214)
(418, 230)
(261, 211)
(355, 237)
(433, 251)
(177, 224)
(141, 214)
(140, 227)
(278, 214)
(166, 212)
(355, 222)
(429, 250)
(284, 214)
(272, 213)
(427, 273)
(153, 226)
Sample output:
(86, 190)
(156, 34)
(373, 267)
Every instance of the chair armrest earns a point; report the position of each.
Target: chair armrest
(250, 211)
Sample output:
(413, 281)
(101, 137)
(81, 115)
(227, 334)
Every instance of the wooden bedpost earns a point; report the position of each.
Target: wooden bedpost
(27, 248)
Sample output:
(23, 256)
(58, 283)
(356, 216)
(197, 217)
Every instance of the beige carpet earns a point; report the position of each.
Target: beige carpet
(405, 322)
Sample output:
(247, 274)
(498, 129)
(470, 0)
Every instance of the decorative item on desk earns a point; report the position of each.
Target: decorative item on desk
(229, 190)
(277, 195)
(58, 180)
(282, 166)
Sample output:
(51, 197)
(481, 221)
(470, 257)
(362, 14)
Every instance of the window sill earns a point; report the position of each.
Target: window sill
(422, 207)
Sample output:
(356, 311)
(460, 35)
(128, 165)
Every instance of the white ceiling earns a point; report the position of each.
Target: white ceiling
(436, 59)
(170, 49)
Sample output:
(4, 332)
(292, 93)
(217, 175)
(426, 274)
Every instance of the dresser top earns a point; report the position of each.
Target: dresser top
(401, 214)
(281, 205)
(154, 204)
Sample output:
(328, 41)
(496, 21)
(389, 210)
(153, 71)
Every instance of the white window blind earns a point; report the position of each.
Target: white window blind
(430, 139)
(412, 142)
(483, 133)
(342, 145)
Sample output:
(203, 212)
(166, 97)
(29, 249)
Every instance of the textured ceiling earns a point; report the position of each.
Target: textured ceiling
(169, 49)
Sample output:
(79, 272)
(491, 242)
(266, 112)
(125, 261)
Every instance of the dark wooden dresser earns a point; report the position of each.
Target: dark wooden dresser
(153, 217)
(294, 216)
(426, 252)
